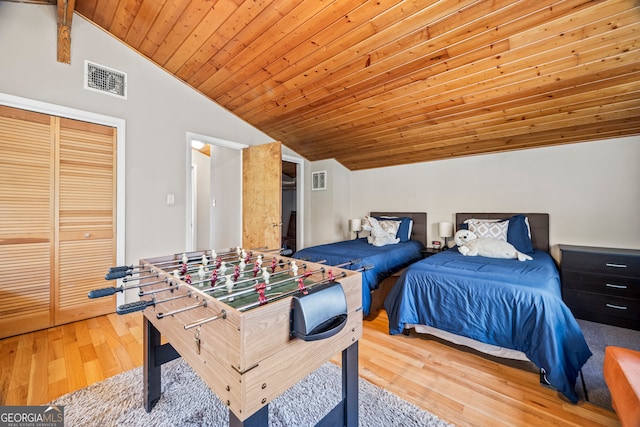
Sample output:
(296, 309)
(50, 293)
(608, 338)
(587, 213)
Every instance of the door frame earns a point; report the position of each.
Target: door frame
(299, 197)
(191, 136)
(87, 116)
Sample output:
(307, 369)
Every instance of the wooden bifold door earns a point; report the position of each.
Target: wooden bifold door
(57, 219)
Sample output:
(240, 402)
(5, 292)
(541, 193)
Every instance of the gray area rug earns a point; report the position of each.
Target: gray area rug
(187, 401)
(598, 336)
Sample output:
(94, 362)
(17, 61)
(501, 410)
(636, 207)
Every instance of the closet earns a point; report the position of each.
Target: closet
(57, 219)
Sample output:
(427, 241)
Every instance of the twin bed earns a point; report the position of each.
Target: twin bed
(379, 262)
(503, 307)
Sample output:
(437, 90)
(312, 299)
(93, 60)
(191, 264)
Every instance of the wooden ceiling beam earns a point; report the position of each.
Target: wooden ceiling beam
(65, 16)
(483, 76)
(439, 125)
(615, 108)
(310, 94)
(576, 134)
(508, 104)
(624, 115)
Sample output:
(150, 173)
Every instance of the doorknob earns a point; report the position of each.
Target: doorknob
(276, 225)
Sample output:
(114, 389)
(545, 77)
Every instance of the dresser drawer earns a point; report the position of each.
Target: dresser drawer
(615, 264)
(623, 287)
(623, 308)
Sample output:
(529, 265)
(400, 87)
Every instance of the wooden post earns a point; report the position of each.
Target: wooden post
(65, 16)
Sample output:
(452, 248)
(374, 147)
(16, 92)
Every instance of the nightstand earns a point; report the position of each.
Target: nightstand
(602, 284)
(427, 252)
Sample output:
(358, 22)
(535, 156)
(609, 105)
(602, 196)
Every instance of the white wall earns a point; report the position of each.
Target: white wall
(327, 214)
(226, 189)
(159, 111)
(591, 190)
(202, 202)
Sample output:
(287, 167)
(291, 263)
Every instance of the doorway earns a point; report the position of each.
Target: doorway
(289, 207)
(214, 188)
(292, 204)
(221, 203)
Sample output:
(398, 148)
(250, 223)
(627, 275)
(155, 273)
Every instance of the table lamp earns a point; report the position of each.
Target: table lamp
(355, 225)
(445, 229)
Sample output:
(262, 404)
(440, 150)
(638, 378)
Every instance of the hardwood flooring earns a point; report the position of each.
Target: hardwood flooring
(458, 386)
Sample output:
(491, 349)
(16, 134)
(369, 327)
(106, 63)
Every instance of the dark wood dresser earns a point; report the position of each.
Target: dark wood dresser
(602, 284)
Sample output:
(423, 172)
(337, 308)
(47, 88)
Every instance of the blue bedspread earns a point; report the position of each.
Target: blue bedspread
(507, 303)
(385, 260)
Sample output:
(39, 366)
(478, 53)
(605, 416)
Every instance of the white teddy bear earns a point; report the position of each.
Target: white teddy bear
(469, 244)
(378, 237)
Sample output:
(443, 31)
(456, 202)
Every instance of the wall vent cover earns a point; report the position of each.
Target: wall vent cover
(319, 180)
(104, 79)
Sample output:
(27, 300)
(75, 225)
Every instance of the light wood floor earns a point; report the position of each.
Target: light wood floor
(457, 386)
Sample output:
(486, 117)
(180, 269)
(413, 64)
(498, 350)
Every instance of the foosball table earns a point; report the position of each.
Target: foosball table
(250, 324)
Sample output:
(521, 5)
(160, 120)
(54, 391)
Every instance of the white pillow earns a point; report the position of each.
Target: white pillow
(492, 228)
(390, 227)
(403, 237)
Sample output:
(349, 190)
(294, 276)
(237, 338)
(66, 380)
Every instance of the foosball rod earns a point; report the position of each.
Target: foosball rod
(292, 292)
(344, 264)
(173, 261)
(342, 274)
(105, 292)
(142, 304)
(193, 268)
(221, 315)
(272, 285)
(119, 274)
(348, 263)
(180, 310)
(171, 288)
(182, 274)
(256, 278)
(202, 281)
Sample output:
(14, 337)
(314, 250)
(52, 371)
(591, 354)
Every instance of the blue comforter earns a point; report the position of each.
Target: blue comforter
(384, 260)
(507, 303)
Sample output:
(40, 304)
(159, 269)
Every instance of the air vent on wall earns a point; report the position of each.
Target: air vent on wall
(319, 180)
(106, 80)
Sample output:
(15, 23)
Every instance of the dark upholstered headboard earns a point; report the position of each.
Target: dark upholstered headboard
(538, 222)
(419, 230)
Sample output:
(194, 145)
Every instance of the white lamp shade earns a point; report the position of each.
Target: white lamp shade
(445, 229)
(355, 224)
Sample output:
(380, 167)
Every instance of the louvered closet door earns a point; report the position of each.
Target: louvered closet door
(86, 245)
(26, 221)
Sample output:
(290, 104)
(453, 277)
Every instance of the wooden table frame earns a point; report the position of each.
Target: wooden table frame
(345, 413)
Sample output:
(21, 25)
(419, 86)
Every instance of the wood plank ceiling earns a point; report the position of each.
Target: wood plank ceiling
(388, 82)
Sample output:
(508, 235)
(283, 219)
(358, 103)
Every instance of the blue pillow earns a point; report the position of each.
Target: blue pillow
(404, 230)
(518, 234)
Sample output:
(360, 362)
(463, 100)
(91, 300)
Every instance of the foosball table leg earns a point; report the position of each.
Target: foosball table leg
(350, 385)
(258, 419)
(151, 371)
(155, 354)
(345, 413)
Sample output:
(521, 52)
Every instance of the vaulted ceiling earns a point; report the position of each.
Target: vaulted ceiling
(388, 82)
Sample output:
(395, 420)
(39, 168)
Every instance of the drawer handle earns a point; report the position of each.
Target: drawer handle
(617, 307)
(616, 265)
(613, 285)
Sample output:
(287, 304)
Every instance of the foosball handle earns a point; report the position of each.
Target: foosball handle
(112, 275)
(104, 292)
(132, 307)
(120, 268)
